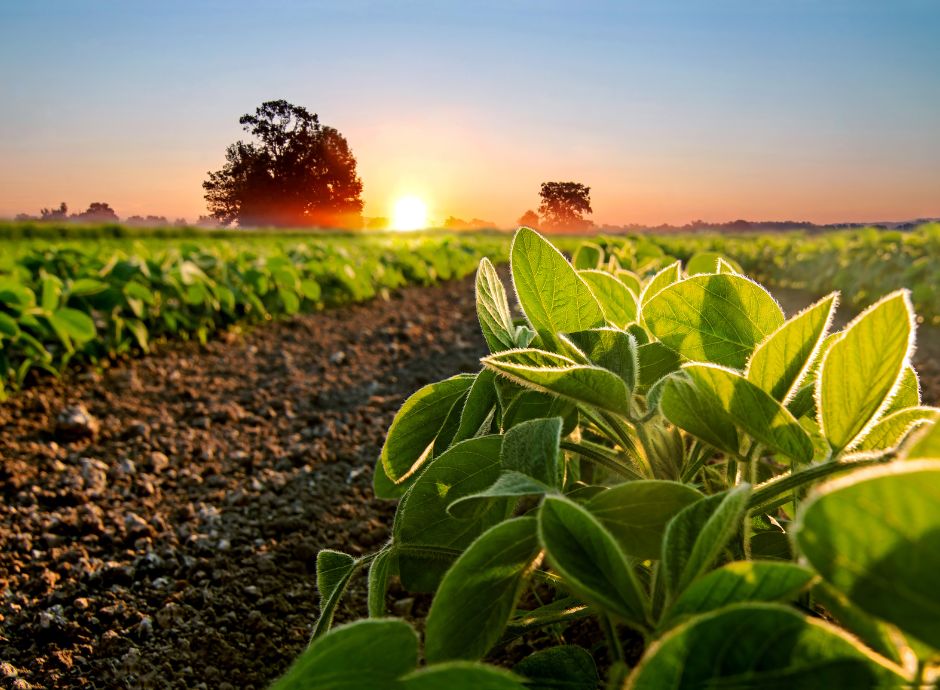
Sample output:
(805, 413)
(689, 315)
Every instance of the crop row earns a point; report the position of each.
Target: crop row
(861, 264)
(733, 497)
(64, 302)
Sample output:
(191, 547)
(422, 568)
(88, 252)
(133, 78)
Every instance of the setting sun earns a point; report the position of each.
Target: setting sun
(410, 214)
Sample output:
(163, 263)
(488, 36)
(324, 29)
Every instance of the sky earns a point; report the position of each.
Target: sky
(670, 111)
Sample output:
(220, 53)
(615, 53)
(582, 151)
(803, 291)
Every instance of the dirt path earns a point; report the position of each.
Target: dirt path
(176, 547)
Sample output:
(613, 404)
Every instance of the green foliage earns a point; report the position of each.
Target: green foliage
(69, 302)
(659, 470)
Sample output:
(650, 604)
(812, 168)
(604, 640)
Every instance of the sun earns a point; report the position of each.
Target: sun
(410, 214)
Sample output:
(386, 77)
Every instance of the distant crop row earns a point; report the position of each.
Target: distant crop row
(87, 301)
(861, 264)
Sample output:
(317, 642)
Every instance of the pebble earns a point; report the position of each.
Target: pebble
(95, 475)
(158, 461)
(76, 422)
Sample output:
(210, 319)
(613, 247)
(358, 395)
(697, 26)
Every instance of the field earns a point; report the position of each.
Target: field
(218, 446)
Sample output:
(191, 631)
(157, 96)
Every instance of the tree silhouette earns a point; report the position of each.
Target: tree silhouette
(97, 212)
(61, 213)
(529, 219)
(563, 205)
(297, 172)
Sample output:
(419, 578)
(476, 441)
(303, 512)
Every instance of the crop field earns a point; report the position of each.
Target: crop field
(469, 460)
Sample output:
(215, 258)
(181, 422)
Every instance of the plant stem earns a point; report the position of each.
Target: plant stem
(592, 453)
(613, 642)
(774, 488)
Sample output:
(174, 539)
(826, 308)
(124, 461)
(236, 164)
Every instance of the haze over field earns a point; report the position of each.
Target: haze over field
(670, 111)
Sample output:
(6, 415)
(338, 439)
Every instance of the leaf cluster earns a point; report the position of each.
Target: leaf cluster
(741, 494)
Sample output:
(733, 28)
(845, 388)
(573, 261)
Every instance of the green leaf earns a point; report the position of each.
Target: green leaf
(908, 392)
(532, 448)
(566, 667)
(713, 318)
(379, 572)
(862, 369)
(422, 518)
(552, 295)
(707, 262)
(759, 646)
(925, 444)
(631, 280)
(892, 429)
(696, 537)
(8, 326)
(462, 675)
(493, 308)
(51, 292)
(414, 428)
(310, 289)
(509, 484)
(478, 594)
(636, 513)
(616, 300)
(875, 535)
(686, 406)
(611, 349)
(531, 404)
(665, 277)
(752, 410)
(85, 287)
(78, 325)
(780, 363)
(564, 377)
(336, 661)
(478, 410)
(589, 559)
(587, 256)
(739, 582)
(877, 634)
(334, 569)
(656, 361)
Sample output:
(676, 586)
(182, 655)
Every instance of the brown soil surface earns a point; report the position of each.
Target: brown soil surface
(175, 547)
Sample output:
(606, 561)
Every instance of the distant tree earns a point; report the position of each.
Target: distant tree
(529, 219)
(454, 223)
(61, 213)
(148, 221)
(296, 172)
(24, 217)
(207, 222)
(97, 212)
(563, 205)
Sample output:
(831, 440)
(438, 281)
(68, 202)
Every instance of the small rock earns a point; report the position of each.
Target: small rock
(20, 684)
(338, 357)
(137, 429)
(8, 670)
(135, 525)
(158, 461)
(95, 474)
(403, 607)
(76, 422)
(145, 628)
(125, 468)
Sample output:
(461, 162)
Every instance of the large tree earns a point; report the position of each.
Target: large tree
(564, 205)
(296, 172)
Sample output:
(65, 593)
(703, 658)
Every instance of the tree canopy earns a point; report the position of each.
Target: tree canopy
(564, 205)
(295, 172)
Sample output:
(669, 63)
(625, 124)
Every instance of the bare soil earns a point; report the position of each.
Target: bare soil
(169, 540)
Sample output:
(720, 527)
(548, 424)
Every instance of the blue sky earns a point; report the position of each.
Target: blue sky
(669, 110)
